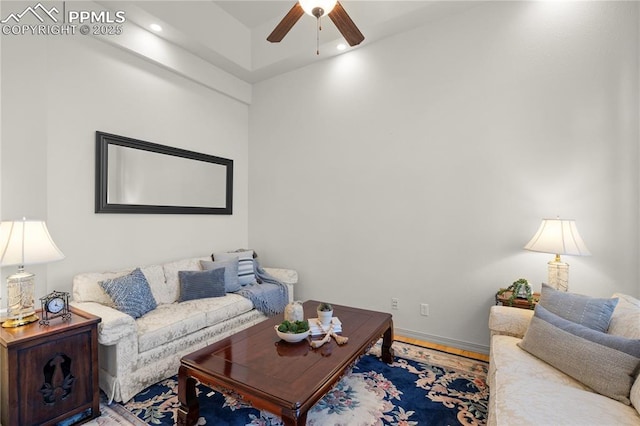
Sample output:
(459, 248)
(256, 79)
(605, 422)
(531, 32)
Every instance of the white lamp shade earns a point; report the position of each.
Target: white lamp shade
(558, 236)
(309, 5)
(26, 242)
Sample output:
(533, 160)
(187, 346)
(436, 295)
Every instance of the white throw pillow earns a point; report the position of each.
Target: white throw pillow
(625, 320)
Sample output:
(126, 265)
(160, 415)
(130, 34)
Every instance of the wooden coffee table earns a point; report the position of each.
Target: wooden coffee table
(283, 378)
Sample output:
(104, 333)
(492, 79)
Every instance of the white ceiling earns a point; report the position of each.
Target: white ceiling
(231, 35)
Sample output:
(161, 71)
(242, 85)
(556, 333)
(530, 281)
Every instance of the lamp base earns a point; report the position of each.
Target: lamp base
(559, 275)
(18, 322)
(20, 305)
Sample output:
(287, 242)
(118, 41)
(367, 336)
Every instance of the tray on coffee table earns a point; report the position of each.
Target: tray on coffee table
(286, 379)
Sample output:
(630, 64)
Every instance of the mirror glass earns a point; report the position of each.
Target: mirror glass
(140, 177)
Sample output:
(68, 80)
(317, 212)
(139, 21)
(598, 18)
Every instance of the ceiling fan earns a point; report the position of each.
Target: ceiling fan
(318, 9)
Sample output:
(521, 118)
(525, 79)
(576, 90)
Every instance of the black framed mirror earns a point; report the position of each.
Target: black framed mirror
(134, 176)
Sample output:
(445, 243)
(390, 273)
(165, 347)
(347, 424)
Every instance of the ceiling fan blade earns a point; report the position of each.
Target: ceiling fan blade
(345, 25)
(286, 24)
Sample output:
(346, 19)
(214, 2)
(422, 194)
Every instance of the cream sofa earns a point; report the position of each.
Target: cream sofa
(134, 354)
(525, 390)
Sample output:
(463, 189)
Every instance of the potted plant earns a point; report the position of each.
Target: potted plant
(325, 313)
(519, 289)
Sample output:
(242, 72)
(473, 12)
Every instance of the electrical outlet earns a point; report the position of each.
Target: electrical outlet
(424, 309)
(394, 303)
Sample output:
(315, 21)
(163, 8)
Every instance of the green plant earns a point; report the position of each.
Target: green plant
(293, 327)
(518, 287)
(325, 307)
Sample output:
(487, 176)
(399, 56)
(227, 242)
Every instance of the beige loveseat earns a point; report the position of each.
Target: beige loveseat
(525, 390)
(136, 353)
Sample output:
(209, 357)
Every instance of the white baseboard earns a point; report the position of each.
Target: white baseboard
(458, 344)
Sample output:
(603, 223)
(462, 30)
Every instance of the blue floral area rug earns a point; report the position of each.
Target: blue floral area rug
(421, 387)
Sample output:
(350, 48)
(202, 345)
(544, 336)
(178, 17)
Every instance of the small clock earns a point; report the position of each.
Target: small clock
(55, 304)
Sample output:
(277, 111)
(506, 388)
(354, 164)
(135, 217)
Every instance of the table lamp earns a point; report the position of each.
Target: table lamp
(558, 236)
(24, 242)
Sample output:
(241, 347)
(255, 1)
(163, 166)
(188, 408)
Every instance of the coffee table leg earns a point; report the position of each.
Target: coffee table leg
(301, 420)
(387, 340)
(189, 410)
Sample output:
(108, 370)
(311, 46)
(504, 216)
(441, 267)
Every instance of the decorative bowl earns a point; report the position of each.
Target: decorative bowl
(292, 337)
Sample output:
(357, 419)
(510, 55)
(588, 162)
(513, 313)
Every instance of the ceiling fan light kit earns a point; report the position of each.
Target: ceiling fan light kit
(318, 9)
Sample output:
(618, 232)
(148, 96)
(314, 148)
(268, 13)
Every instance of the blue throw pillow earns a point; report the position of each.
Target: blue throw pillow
(201, 284)
(231, 283)
(130, 293)
(585, 310)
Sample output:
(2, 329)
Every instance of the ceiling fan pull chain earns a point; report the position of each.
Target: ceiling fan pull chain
(318, 28)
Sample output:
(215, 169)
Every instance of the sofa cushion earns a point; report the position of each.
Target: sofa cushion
(220, 309)
(201, 284)
(625, 320)
(130, 293)
(585, 310)
(527, 391)
(166, 323)
(246, 274)
(604, 362)
(170, 322)
(231, 283)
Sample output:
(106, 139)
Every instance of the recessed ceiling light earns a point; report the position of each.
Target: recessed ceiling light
(341, 46)
(155, 27)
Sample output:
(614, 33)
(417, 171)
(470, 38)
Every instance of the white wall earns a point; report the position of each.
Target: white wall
(419, 166)
(57, 91)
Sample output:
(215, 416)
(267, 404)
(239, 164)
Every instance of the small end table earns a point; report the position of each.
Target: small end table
(50, 372)
(503, 299)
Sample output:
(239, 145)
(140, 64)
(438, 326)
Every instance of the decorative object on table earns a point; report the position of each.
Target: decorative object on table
(520, 289)
(55, 304)
(558, 236)
(518, 294)
(503, 297)
(24, 242)
(293, 331)
(316, 327)
(294, 311)
(328, 334)
(325, 312)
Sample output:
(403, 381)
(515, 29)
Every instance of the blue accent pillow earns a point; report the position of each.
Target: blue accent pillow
(585, 310)
(231, 283)
(130, 293)
(201, 284)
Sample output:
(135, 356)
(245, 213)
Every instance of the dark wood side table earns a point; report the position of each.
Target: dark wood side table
(50, 373)
(503, 299)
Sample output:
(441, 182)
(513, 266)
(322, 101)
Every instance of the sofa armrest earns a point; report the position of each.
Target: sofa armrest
(286, 276)
(115, 325)
(509, 321)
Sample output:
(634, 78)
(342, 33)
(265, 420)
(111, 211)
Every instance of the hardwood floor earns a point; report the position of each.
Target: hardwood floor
(448, 349)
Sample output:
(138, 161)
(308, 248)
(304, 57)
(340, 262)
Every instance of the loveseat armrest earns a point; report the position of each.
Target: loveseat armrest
(509, 321)
(115, 325)
(286, 276)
